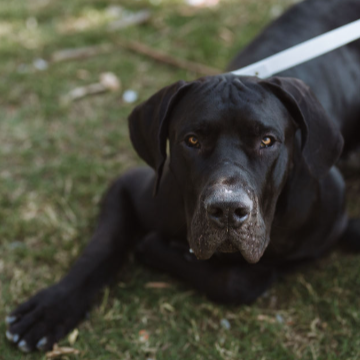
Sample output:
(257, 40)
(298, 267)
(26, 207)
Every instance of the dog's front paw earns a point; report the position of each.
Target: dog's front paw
(45, 318)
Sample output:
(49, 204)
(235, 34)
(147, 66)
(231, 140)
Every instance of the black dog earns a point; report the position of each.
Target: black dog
(250, 185)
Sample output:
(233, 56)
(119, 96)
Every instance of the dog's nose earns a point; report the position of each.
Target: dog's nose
(230, 210)
(228, 213)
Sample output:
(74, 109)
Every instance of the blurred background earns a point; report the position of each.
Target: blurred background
(70, 73)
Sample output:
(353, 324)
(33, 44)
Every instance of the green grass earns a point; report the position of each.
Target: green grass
(56, 160)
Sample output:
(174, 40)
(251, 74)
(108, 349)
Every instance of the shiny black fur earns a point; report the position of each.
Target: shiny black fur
(245, 209)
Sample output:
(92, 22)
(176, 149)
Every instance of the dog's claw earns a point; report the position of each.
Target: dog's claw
(9, 336)
(10, 319)
(41, 344)
(23, 346)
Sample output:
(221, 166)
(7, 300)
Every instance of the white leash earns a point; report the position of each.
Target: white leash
(303, 52)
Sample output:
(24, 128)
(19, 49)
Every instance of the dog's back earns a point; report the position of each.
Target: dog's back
(331, 76)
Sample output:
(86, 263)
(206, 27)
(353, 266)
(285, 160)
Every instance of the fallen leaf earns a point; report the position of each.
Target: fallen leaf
(143, 336)
(157, 285)
(202, 3)
(266, 318)
(168, 307)
(73, 336)
(59, 351)
(110, 81)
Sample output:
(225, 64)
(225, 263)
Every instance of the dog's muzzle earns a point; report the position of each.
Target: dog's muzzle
(226, 220)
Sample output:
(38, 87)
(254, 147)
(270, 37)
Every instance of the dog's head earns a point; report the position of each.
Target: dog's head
(231, 148)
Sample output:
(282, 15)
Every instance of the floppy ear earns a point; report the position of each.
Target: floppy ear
(148, 125)
(322, 141)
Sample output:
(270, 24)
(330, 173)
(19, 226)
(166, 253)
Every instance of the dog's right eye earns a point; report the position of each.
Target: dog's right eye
(192, 141)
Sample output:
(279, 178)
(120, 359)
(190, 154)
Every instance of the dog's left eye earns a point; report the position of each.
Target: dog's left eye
(267, 141)
(192, 141)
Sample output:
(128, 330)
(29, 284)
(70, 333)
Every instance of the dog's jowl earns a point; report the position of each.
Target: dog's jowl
(246, 156)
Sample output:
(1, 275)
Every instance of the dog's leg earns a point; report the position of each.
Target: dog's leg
(53, 312)
(236, 284)
(350, 240)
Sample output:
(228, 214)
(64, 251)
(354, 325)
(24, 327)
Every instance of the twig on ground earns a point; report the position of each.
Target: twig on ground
(137, 18)
(138, 47)
(168, 59)
(108, 82)
(80, 53)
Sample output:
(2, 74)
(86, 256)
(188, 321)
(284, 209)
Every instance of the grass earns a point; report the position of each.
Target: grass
(56, 160)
